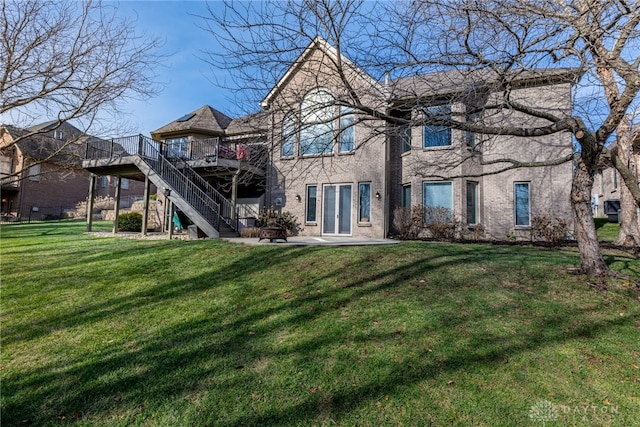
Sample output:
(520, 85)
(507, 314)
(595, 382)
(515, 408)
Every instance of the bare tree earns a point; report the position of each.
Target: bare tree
(491, 45)
(71, 61)
(626, 154)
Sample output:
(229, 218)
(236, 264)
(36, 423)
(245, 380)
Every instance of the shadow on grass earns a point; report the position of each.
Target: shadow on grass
(191, 356)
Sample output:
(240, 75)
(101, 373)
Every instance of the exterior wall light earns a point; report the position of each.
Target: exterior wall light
(298, 198)
(378, 195)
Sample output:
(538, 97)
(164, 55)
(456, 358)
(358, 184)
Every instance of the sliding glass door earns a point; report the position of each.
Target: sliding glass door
(336, 209)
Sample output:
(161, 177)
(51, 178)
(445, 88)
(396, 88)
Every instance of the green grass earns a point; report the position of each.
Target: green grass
(112, 331)
(607, 231)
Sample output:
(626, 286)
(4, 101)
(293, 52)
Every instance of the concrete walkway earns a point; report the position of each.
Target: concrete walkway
(291, 241)
(315, 241)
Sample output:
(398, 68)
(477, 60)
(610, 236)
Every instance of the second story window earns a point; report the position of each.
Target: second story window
(288, 134)
(435, 135)
(316, 123)
(471, 138)
(347, 130)
(177, 147)
(405, 138)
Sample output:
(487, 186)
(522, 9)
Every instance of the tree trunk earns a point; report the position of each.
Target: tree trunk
(629, 234)
(629, 231)
(591, 261)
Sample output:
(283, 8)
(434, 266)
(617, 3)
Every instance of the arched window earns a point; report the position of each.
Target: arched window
(289, 134)
(317, 114)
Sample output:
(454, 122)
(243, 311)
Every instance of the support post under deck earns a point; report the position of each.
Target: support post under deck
(116, 208)
(145, 214)
(92, 190)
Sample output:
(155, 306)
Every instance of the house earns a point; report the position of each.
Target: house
(353, 181)
(608, 185)
(345, 153)
(41, 172)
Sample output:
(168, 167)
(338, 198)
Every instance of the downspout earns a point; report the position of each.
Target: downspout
(387, 164)
(269, 168)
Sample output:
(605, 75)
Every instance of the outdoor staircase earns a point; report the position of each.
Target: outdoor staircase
(202, 203)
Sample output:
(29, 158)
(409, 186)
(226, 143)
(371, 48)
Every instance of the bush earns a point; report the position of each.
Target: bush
(408, 222)
(131, 221)
(100, 203)
(439, 221)
(250, 232)
(273, 218)
(552, 230)
(476, 231)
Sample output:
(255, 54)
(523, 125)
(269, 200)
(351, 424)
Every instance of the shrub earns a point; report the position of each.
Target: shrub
(476, 231)
(438, 220)
(552, 230)
(131, 221)
(273, 218)
(100, 203)
(408, 222)
(250, 232)
(436, 215)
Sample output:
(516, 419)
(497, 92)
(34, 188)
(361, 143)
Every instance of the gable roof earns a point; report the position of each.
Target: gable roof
(456, 81)
(321, 44)
(249, 124)
(42, 146)
(205, 119)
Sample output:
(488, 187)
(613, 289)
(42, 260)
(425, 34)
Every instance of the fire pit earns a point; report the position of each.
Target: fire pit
(273, 233)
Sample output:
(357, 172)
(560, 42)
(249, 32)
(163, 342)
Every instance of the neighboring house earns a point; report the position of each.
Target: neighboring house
(42, 175)
(343, 172)
(605, 195)
(607, 183)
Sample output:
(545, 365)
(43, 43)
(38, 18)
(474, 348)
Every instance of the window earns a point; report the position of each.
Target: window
(58, 134)
(288, 134)
(312, 197)
(124, 183)
(317, 114)
(522, 204)
(177, 147)
(472, 202)
(471, 138)
(34, 173)
(364, 202)
(437, 198)
(405, 138)
(406, 196)
(437, 136)
(104, 181)
(347, 130)
(186, 117)
(615, 179)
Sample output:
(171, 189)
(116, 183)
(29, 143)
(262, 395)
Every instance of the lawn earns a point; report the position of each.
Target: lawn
(113, 331)
(607, 231)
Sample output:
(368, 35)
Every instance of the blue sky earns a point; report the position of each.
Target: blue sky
(186, 77)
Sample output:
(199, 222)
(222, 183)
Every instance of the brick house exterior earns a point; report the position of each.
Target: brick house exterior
(607, 183)
(42, 175)
(379, 172)
(345, 153)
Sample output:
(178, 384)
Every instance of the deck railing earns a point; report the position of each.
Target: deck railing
(182, 179)
(174, 171)
(211, 149)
